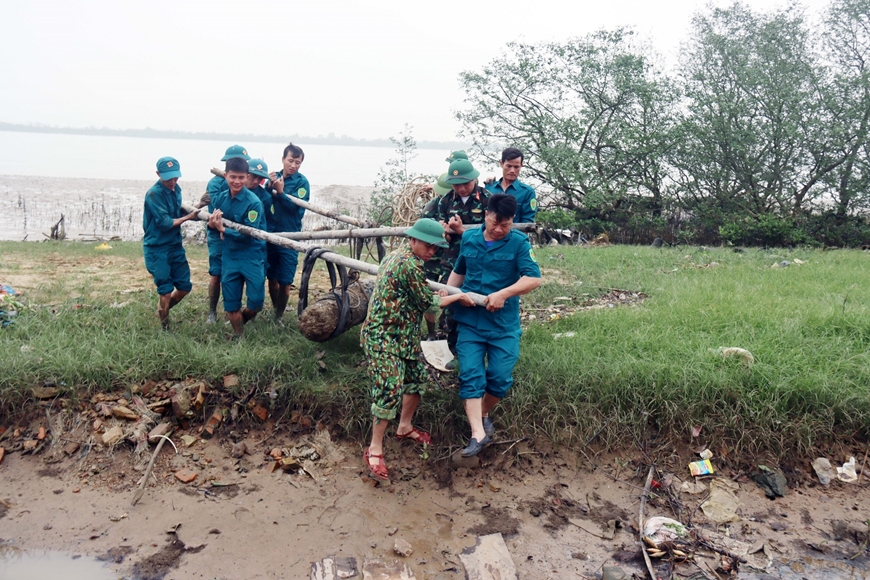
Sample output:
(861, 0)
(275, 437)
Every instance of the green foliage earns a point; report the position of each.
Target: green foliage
(590, 113)
(767, 116)
(767, 230)
(392, 179)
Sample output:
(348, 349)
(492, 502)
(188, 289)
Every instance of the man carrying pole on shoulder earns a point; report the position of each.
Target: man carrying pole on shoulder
(243, 256)
(164, 255)
(498, 262)
(286, 217)
(216, 185)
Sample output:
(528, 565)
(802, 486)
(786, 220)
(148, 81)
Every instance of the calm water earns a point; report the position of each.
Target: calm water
(50, 155)
(45, 565)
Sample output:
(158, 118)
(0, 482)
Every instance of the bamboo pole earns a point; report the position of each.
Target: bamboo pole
(372, 269)
(370, 232)
(304, 204)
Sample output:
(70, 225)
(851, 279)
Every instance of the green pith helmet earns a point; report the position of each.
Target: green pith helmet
(442, 186)
(168, 168)
(429, 231)
(236, 151)
(259, 168)
(461, 171)
(454, 155)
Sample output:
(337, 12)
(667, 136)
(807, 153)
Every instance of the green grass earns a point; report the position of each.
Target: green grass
(644, 372)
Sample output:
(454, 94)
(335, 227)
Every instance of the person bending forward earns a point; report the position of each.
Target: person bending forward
(391, 338)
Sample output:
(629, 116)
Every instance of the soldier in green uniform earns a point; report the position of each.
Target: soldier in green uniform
(391, 338)
(432, 267)
(164, 255)
(463, 205)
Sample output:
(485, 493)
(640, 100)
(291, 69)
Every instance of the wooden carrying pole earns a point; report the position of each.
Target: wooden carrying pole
(370, 232)
(372, 269)
(304, 204)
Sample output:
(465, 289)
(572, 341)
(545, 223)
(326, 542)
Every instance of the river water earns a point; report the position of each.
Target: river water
(98, 183)
(87, 156)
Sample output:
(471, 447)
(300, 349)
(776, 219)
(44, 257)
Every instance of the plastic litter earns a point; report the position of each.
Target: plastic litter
(848, 473)
(734, 351)
(706, 454)
(722, 505)
(703, 467)
(565, 335)
(661, 529)
(824, 470)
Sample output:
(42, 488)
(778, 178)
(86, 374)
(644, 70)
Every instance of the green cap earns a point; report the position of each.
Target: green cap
(454, 155)
(442, 186)
(168, 168)
(259, 168)
(429, 231)
(236, 151)
(461, 171)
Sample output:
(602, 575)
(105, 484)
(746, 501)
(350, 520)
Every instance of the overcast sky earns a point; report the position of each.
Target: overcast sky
(358, 68)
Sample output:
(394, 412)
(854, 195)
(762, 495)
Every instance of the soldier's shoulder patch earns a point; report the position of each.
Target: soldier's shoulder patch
(273, 209)
(533, 203)
(532, 255)
(302, 191)
(252, 215)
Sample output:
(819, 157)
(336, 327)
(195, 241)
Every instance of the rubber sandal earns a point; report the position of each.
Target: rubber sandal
(378, 470)
(417, 436)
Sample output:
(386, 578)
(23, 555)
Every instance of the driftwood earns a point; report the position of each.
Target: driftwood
(304, 204)
(372, 269)
(373, 232)
(141, 491)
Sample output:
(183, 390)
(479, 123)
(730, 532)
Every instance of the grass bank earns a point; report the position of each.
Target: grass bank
(643, 371)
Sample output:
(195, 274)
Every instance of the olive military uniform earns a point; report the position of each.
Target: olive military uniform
(391, 333)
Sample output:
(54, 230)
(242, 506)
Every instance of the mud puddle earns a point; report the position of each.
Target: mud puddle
(17, 564)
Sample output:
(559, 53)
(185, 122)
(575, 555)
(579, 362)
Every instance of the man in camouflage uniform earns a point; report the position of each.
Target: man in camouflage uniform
(462, 206)
(391, 338)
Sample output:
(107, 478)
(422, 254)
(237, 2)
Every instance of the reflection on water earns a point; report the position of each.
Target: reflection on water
(18, 564)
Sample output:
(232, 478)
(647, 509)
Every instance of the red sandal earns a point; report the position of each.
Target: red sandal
(417, 436)
(379, 469)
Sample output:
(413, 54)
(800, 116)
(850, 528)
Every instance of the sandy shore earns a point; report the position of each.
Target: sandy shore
(103, 208)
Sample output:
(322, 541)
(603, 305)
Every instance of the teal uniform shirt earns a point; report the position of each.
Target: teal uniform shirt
(489, 342)
(490, 269)
(164, 255)
(527, 201)
(266, 199)
(243, 256)
(287, 215)
(245, 209)
(162, 207)
(215, 187)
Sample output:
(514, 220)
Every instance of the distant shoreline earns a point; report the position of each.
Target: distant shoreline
(148, 133)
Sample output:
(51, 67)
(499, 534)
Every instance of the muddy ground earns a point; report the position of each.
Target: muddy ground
(241, 519)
